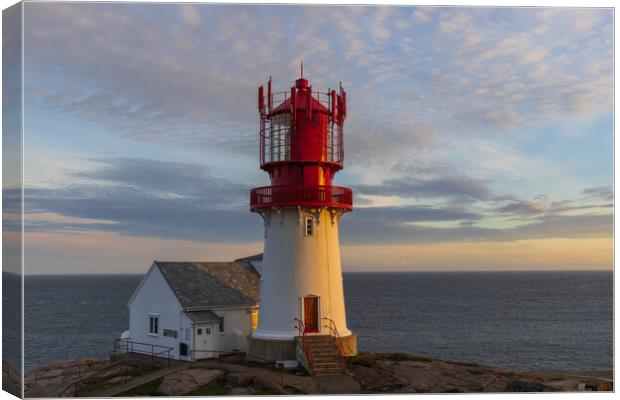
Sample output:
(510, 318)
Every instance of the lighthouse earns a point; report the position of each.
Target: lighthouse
(301, 307)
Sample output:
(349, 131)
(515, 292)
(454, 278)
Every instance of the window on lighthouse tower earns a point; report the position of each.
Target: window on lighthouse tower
(309, 226)
(280, 138)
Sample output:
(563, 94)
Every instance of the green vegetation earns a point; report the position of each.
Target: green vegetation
(96, 384)
(474, 371)
(363, 360)
(264, 391)
(148, 389)
(213, 388)
(143, 370)
(455, 390)
(466, 364)
(407, 357)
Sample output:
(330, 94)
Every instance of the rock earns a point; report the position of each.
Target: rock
(269, 384)
(117, 379)
(527, 386)
(240, 378)
(604, 387)
(239, 391)
(185, 381)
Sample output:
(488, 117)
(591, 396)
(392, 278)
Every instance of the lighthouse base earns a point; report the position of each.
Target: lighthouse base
(349, 345)
(268, 350)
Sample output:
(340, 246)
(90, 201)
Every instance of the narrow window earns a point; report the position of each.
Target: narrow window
(309, 226)
(153, 325)
(254, 319)
(221, 327)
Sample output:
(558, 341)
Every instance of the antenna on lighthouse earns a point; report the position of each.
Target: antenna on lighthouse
(302, 68)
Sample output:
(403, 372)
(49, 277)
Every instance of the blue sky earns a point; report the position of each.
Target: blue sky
(482, 135)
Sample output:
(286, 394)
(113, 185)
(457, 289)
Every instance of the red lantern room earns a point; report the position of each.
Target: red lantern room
(301, 147)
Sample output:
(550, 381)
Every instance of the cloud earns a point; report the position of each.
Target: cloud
(449, 186)
(141, 72)
(523, 208)
(381, 231)
(599, 192)
(140, 197)
(421, 15)
(190, 14)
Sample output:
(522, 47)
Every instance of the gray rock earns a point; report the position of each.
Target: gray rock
(185, 381)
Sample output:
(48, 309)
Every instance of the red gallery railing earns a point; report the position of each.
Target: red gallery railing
(310, 196)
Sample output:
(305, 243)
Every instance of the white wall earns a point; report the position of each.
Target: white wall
(294, 266)
(154, 296)
(237, 328)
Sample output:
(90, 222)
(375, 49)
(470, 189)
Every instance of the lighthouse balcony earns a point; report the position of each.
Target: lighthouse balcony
(299, 195)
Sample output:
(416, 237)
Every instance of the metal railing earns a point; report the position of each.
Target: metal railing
(305, 345)
(299, 195)
(219, 353)
(331, 325)
(123, 346)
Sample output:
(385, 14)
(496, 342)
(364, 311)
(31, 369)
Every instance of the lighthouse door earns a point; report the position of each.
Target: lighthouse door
(311, 313)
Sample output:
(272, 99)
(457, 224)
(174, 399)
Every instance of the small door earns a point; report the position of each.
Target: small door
(311, 313)
(204, 342)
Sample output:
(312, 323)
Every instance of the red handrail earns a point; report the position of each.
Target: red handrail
(305, 344)
(299, 195)
(332, 327)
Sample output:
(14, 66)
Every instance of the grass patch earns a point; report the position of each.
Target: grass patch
(139, 371)
(476, 371)
(466, 364)
(364, 361)
(406, 357)
(264, 391)
(455, 390)
(95, 384)
(148, 389)
(213, 388)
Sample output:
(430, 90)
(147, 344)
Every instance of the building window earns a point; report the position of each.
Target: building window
(254, 319)
(153, 325)
(221, 326)
(309, 226)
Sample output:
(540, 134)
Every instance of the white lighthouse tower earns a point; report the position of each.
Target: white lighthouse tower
(302, 309)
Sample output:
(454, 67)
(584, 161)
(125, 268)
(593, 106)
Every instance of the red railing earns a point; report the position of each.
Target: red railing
(332, 327)
(312, 196)
(305, 344)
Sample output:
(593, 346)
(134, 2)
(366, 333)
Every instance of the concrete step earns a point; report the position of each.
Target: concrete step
(327, 371)
(330, 356)
(325, 350)
(327, 364)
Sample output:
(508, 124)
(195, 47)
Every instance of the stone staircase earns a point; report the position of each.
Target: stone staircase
(326, 358)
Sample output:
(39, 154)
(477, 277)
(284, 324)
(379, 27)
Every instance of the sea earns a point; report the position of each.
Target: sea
(520, 321)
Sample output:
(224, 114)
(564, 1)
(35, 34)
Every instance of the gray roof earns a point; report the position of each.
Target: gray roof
(247, 262)
(203, 316)
(200, 285)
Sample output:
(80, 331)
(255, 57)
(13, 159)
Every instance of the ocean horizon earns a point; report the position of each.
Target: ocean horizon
(516, 320)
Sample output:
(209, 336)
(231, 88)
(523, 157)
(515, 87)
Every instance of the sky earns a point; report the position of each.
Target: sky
(476, 138)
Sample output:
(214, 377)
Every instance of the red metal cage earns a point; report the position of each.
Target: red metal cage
(277, 128)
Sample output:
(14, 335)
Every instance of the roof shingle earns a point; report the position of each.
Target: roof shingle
(201, 285)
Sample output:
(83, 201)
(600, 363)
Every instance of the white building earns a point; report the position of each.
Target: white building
(194, 310)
